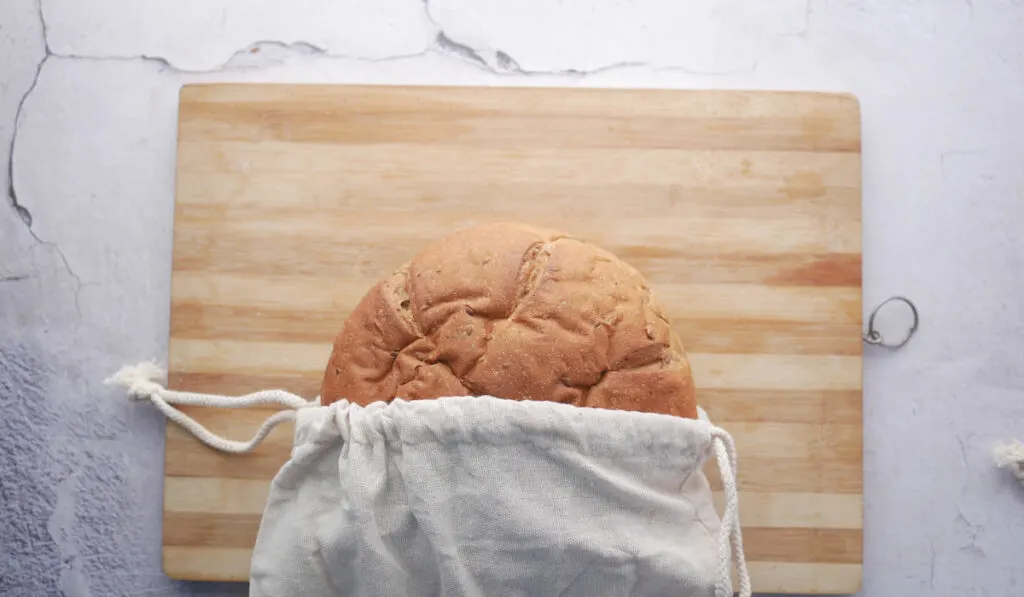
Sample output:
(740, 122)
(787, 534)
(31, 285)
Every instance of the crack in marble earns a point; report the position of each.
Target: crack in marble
(12, 194)
(963, 451)
(475, 56)
(23, 212)
(144, 58)
(931, 565)
(451, 46)
(501, 62)
(972, 530)
(492, 60)
(507, 62)
(238, 61)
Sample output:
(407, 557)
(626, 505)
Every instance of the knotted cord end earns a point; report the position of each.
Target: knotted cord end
(141, 380)
(1011, 456)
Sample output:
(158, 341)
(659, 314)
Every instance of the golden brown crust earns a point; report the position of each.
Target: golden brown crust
(515, 312)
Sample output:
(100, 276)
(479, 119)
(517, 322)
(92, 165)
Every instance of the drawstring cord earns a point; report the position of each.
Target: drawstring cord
(730, 538)
(140, 382)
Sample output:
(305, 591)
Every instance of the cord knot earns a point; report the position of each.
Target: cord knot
(139, 379)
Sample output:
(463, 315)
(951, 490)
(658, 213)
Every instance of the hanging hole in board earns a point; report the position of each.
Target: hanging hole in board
(874, 336)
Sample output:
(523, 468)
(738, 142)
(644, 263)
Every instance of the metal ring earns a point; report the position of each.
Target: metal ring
(874, 337)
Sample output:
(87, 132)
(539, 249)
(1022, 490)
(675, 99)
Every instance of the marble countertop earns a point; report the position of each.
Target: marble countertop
(88, 97)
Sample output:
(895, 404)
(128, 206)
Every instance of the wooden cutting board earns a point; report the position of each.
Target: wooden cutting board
(741, 208)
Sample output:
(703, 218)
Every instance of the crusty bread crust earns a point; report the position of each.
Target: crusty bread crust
(515, 312)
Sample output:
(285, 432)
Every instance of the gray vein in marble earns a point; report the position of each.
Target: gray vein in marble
(446, 44)
(12, 193)
(269, 52)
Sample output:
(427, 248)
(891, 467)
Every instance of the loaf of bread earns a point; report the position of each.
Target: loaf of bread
(513, 312)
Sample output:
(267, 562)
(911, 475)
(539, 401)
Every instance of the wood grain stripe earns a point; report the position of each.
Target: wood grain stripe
(305, 384)
(187, 457)
(740, 303)
(301, 293)
(198, 321)
(794, 475)
(191, 528)
(758, 475)
(781, 269)
(260, 122)
(586, 167)
(215, 496)
(675, 237)
(214, 564)
(753, 302)
(715, 371)
(776, 372)
(238, 424)
(257, 358)
(798, 510)
(798, 195)
(833, 546)
(725, 406)
(241, 253)
(191, 460)
(561, 101)
(798, 440)
(816, 578)
(768, 337)
(652, 232)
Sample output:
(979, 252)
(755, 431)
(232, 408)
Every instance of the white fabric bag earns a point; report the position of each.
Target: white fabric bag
(478, 496)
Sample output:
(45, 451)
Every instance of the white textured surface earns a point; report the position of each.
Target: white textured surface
(85, 287)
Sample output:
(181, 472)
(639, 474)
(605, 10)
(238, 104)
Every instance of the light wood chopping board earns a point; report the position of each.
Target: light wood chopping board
(741, 208)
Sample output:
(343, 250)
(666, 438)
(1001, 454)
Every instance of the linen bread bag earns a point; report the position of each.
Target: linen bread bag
(509, 414)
